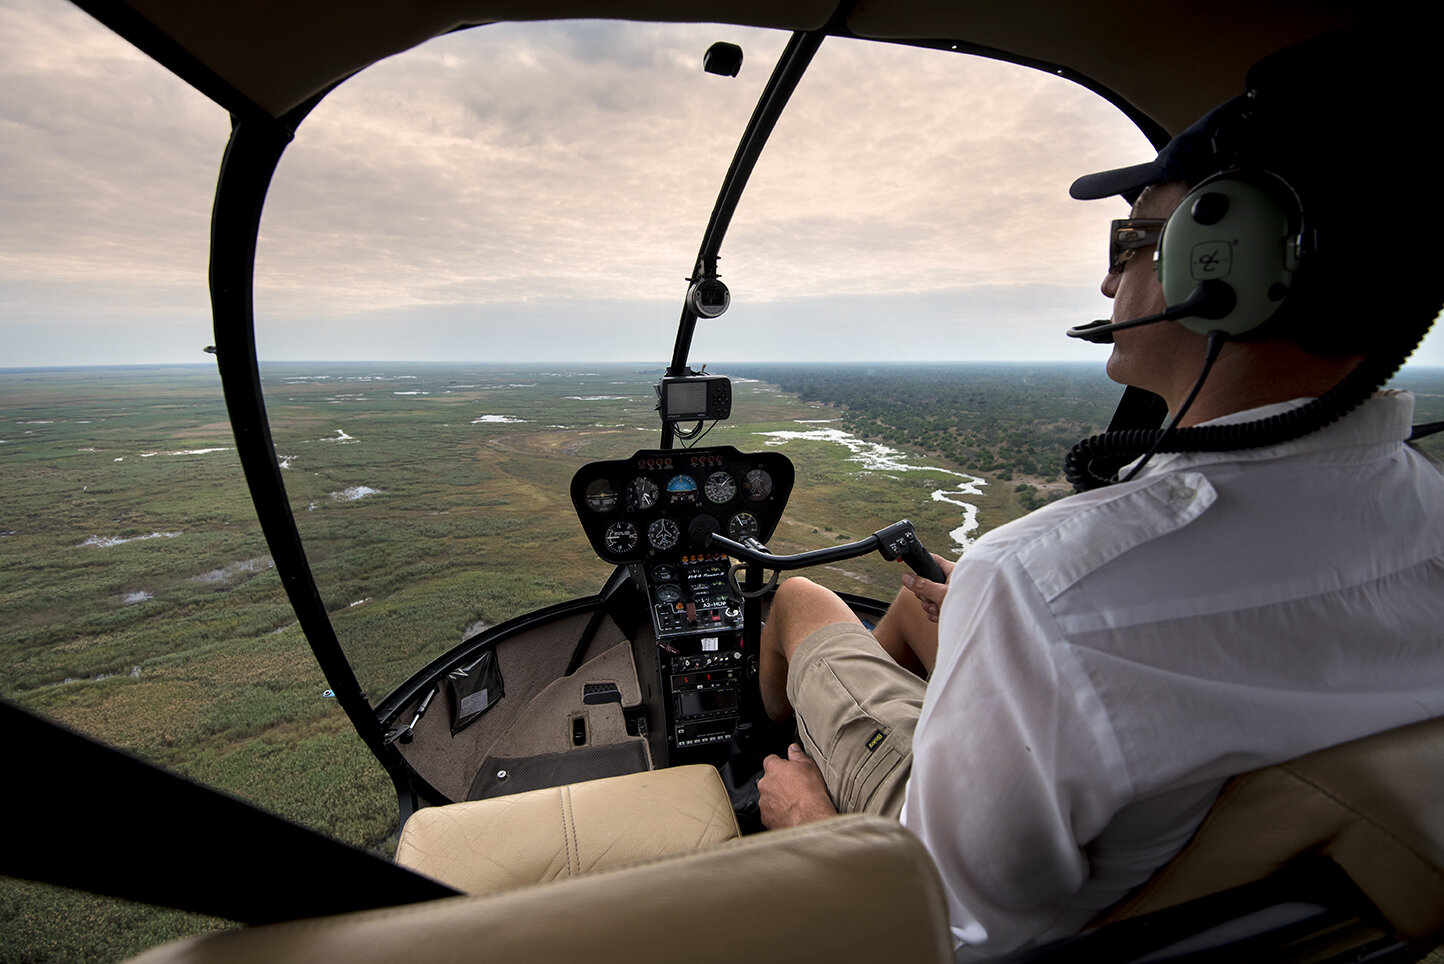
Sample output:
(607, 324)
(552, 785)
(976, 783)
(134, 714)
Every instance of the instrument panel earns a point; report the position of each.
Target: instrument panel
(654, 512)
(663, 503)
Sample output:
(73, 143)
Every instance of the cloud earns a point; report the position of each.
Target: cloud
(109, 161)
(518, 187)
(549, 177)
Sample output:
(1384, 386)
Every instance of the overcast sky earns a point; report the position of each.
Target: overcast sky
(538, 192)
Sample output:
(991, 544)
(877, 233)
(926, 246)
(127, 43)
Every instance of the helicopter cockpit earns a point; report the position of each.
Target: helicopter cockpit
(536, 574)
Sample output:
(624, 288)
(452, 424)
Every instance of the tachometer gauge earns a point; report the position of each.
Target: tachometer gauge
(743, 525)
(621, 537)
(601, 496)
(682, 489)
(642, 493)
(757, 484)
(667, 593)
(663, 534)
(720, 488)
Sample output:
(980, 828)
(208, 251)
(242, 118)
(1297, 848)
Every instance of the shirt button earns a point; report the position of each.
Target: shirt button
(1184, 494)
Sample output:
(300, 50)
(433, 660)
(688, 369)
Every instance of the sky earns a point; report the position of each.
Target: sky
(538, 193)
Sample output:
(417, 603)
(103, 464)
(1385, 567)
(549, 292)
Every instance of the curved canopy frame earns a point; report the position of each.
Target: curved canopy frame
(1170, 61)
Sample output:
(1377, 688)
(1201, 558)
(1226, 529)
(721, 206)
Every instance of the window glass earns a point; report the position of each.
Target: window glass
(469, 278)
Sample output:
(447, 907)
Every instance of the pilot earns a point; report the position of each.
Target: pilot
(1100, 667)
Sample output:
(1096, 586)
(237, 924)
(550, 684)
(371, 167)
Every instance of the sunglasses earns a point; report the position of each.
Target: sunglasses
(1128, 235)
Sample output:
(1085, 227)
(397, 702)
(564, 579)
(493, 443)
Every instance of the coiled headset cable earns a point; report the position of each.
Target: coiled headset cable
(1095, 461)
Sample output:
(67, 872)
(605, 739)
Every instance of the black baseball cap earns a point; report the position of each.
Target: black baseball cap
(1190, 157)
(1314, 113)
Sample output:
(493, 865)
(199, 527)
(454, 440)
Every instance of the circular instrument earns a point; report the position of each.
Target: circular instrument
(682, 489)
(700, 529)
(708, 298)
(743, 525)
(621, 537)
(720, 488)
(642, 493)
(757, 484)
(601, 496)
(663, 534)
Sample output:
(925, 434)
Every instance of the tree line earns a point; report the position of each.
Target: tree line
(1006, 420)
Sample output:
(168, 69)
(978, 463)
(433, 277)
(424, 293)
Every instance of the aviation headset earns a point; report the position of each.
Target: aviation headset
(1228, 258)
(1233, 245)
(1229, 252)
(1231, 255)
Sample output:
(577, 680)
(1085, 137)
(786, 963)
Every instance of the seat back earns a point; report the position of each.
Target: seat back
(486, 846)
(1374, 806)
(855, 888)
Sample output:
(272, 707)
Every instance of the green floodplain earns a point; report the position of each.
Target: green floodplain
(138, 603)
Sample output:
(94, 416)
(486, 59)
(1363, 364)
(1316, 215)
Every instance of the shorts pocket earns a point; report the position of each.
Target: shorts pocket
(860, 751)
(875, 784)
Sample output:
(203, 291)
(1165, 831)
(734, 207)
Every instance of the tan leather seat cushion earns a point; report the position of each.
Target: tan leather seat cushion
(491, 845)
(852, 889)
(1375, 806)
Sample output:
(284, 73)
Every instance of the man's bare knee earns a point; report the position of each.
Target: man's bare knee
(798, 593)
(800, 607)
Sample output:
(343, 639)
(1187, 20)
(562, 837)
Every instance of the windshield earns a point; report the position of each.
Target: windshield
(518, 208)
(471, 266)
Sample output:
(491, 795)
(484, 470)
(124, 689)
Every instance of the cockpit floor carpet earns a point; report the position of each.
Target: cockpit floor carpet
(530, 662)
(563, 728)
(500, 775)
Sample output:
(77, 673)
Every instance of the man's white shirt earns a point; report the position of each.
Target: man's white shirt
(1108, 661)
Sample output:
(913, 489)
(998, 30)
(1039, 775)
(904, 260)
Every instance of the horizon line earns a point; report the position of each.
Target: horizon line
(659, 365)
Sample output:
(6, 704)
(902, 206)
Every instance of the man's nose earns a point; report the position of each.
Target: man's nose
(1110, 284)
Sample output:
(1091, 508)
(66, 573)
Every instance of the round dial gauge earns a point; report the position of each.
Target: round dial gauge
(757, 484)
(743, 525)
(663, 574)
(682, 488)
(720, 488)
(668, 593)
(601, 496)
(700, 529)
(621, 537)
(663, 534)
(642, 493)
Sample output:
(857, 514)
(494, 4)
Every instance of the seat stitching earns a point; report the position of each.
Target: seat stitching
(569, 831)
(566, 840)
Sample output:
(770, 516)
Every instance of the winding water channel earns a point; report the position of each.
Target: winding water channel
(875, 457)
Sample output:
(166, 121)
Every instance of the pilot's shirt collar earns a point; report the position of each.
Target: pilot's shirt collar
(1383, 420)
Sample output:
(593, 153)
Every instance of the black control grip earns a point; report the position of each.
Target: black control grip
(922, 562)
(899, 541)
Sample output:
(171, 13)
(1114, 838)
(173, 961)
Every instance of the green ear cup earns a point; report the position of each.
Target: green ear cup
(1238, 230)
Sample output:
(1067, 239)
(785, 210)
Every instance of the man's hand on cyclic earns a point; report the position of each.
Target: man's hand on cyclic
(930, 593)
(792, 791)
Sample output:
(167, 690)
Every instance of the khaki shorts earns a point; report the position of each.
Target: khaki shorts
(856, 713)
